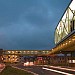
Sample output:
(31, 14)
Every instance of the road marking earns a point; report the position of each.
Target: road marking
(63, 68)
(57, 71)
(60, 68)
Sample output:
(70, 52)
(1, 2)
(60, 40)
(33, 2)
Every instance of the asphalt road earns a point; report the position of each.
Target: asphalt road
(38, 70)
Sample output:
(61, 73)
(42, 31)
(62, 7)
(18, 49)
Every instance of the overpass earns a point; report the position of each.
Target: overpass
(19, 55)
(25, 52)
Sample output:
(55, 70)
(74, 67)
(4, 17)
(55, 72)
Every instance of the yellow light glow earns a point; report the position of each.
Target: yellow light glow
(26, 64)
(73, 36)
(73, 39)
(12, 59)
(63, 44)
(69, 41)
(31, 63)
(9, 51)
(27, 51)
(52, 49)
(12, 51)
(15, 56)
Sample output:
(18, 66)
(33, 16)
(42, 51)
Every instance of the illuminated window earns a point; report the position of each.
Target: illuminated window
(32, 52)
(13, 52)
(36, 52)
(9, 51)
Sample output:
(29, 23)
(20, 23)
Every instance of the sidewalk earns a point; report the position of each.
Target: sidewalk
(2, 66)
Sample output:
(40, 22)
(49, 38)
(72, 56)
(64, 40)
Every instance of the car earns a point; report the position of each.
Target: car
(28, 64)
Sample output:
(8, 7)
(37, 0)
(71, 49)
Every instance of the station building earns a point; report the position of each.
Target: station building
(65, 36)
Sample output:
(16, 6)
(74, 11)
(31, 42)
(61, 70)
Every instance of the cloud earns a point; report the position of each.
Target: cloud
(29, 24)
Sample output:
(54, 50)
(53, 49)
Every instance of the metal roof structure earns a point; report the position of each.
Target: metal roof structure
(65, 31)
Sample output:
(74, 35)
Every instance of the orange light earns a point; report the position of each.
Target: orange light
(69, 41)
(26, 64)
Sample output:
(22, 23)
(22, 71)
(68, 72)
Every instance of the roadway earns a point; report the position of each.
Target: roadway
(42, 70)
(37, 69)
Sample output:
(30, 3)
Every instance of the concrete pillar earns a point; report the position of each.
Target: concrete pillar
(65, 56)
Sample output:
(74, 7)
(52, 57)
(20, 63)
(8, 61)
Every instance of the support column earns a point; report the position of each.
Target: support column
(65, 56)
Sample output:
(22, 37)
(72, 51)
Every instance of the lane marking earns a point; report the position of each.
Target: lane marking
(60, 68)
(57, 71)
(63, 68)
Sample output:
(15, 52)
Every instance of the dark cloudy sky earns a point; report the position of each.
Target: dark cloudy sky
(29, 24)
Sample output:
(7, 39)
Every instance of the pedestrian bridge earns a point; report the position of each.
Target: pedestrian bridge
(16, 55)
(25, 52)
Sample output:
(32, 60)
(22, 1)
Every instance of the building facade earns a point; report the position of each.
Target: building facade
(66, 24)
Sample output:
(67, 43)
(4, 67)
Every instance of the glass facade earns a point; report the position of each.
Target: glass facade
(66, 24)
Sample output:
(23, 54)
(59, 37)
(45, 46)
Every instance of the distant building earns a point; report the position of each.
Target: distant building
(1, 52)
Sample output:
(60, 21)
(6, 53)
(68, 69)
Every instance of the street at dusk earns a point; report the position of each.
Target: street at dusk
(46, 70)
(37, 37)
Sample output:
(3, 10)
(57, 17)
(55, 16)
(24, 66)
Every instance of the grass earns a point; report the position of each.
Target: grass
(13, 71)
